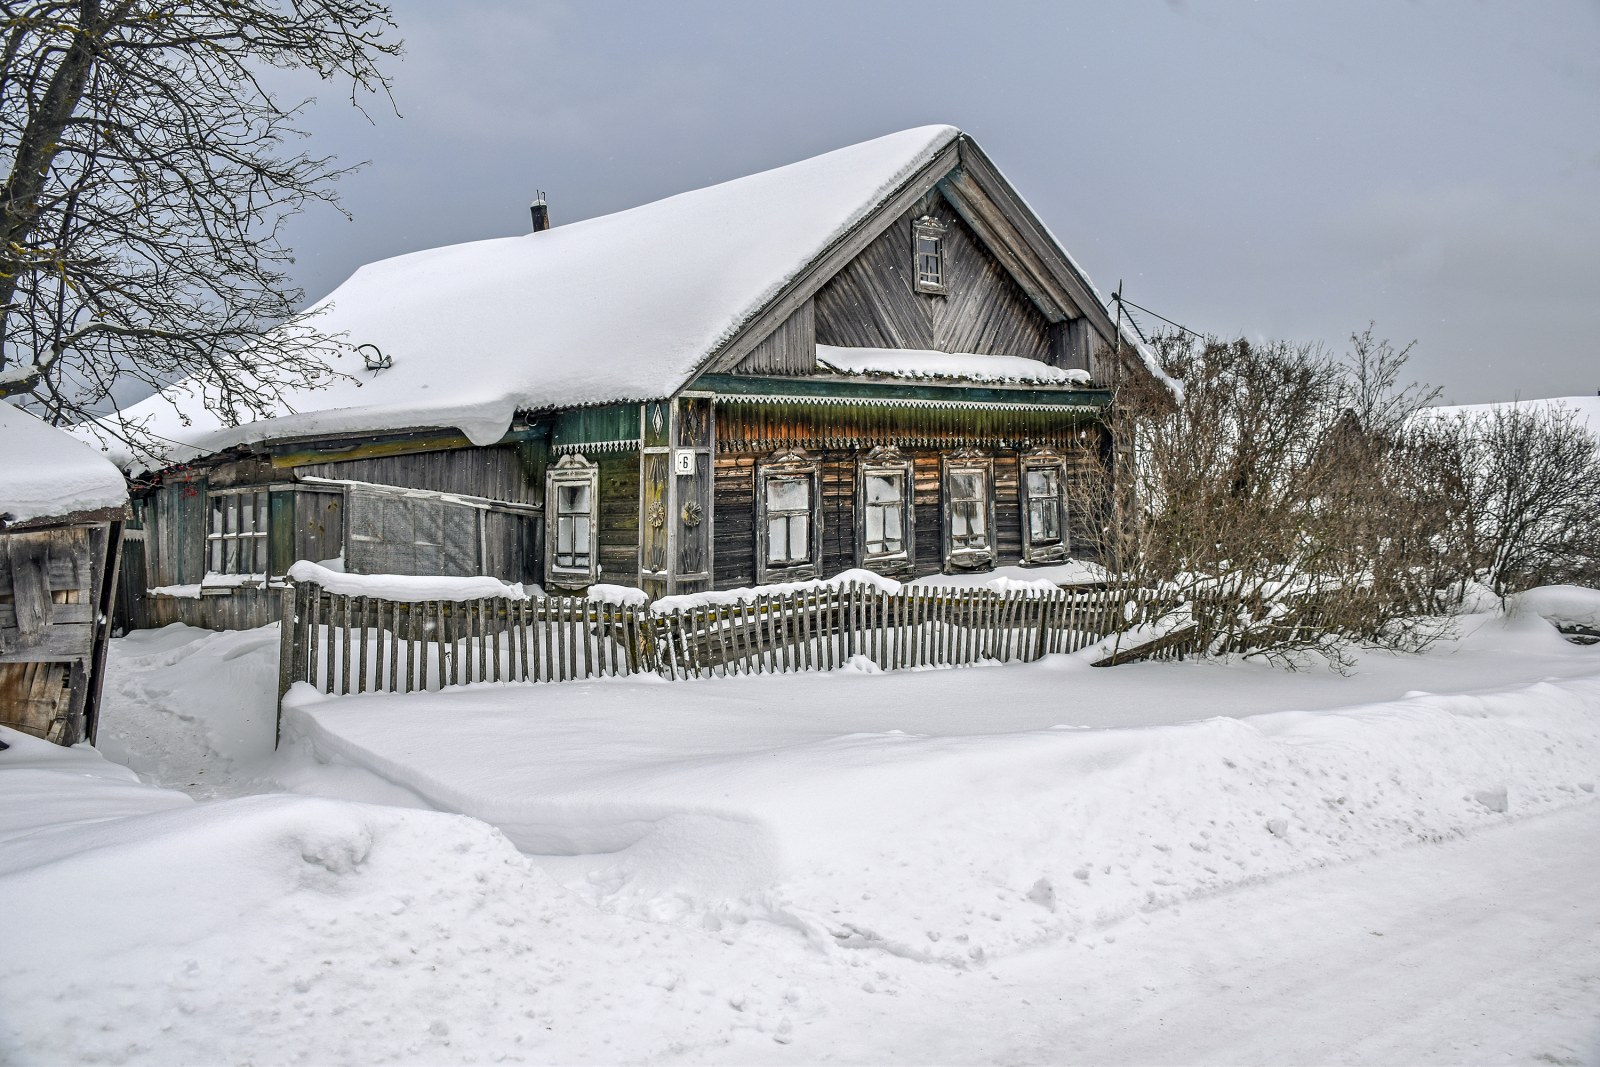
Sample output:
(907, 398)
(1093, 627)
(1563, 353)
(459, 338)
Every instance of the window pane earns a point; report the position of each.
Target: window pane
(216, 515)
(564, 535)
(230, 556)
(261, 511)
(966, 485)
(572, 499)
(799, 530)
(260, 566)
(788, 494)
(1042, 481)
(875, 524)
(1044, 520)
(777, 540)
(891, 526)
(215, 563)
(580, 533)
(883, 488)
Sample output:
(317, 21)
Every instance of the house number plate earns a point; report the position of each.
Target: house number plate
(684, 462)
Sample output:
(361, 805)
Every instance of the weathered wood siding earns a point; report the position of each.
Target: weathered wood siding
(513, 472)
(873, 303)
(790, 349)
(52, 592)
(735, 535)
(619, 517)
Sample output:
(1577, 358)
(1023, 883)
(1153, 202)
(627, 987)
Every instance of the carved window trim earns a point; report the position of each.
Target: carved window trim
(1045, 508)
(571, 472)
(928, 255)
(964, 550)
(886, 461)
(789, 466)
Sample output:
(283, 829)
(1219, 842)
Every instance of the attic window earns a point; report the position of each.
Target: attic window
(927, 253)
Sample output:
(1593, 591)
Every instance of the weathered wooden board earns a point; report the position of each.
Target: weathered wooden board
(511, 472)
(873, 303)
(789, 349)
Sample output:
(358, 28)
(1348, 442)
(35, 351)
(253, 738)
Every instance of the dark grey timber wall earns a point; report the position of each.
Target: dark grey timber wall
(514, 473)
(872, 302)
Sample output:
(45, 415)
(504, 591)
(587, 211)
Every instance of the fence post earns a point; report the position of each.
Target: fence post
(290, 649)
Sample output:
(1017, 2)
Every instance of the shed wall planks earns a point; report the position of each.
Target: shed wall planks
(513, 472)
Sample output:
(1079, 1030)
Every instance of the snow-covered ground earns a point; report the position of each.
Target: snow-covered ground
(1171, 862)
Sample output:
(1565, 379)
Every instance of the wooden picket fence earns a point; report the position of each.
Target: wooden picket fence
(356, 644)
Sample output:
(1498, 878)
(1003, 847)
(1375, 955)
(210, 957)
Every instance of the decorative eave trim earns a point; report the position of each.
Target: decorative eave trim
(631, 444)
(758, 399)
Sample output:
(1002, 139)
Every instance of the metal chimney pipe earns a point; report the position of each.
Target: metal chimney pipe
(541, 213)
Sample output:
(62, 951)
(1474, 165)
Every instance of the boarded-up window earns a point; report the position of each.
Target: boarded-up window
(391, 531)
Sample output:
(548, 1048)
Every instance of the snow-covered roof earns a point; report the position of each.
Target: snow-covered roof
(621, 307)
(618, 308)
(919, 363)
(1587, 409)
(45, 473)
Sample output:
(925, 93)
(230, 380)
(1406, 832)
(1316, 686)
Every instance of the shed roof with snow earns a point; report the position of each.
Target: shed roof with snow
(47, 475)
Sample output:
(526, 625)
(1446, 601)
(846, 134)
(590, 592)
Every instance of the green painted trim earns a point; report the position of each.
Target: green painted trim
(829, 390)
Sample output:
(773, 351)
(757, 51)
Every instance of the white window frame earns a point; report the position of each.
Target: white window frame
(572, 470)
(928, 270)
(1046, 550)
(785, 466)
(886, 461)
(968, 555)
(245, 514)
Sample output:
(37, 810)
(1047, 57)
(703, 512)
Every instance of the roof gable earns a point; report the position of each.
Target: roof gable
(628, 306)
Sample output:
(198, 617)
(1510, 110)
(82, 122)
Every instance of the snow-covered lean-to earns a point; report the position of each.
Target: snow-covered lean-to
(948, 865)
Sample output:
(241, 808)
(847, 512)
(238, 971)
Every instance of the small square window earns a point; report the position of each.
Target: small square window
(927, 254)
(236, 533)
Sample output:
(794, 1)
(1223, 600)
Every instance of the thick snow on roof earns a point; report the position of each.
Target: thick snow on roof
(621, 307)
(44, 472)
(952, 366)
(1586, 407)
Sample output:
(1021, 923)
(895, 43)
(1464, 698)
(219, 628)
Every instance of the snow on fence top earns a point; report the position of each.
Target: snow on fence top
(621, 307)
(952, 366)
(45, 473)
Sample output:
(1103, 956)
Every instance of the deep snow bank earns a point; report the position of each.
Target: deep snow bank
(146, 928)
(703, 802)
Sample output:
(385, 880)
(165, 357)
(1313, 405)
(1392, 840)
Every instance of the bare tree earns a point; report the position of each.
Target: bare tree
(1523, 489)
(146, 180)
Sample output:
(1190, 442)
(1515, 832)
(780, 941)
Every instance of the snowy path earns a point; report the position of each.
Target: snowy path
(1481, 950)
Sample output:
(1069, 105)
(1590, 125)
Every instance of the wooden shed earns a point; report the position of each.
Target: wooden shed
(878, 358)
(62, 506)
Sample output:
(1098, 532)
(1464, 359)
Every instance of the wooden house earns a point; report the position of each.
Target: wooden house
(877, 358)
(61, 510)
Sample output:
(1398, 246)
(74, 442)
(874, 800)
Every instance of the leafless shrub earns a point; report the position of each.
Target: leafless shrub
(1274, 502)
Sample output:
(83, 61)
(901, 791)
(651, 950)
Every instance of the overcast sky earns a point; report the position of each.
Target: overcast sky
(1274, 170)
